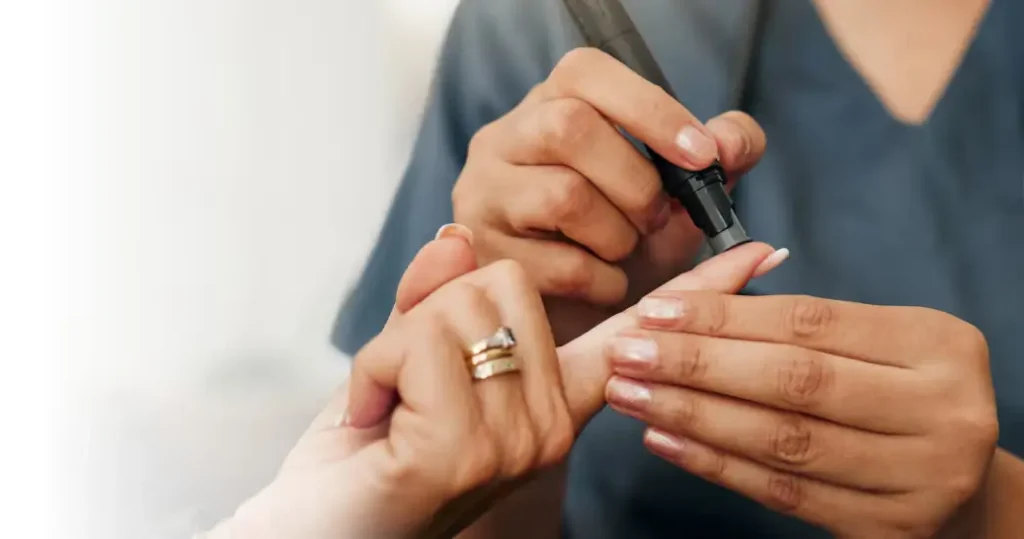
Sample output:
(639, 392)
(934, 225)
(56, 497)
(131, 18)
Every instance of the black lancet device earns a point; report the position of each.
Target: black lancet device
(606, 25)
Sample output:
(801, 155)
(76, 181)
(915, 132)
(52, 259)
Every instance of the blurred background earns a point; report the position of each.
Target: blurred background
(229, 163)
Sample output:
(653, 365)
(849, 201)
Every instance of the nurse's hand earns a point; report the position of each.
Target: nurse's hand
(868, 421)
(556, 186)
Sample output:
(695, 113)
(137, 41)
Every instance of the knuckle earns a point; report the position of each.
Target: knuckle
(972, 342)
(716, 314)
(482, 463)
(558, 440)
(803, 381)
(468, 297)
(785, 492)
(479, 143)
(619, 251)
(714, 469)
(429, 326)
(467, 195)
(567, 126)
(683, 412)
(520, 450)
(648, 192)
(791, 442)
(962, 486)
(979, 424)
(510, 273)
(691, 363)
(572, 64)
(569, 198)
(809, 317)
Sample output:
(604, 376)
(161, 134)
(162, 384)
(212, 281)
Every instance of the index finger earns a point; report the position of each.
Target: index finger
(585, 378)
(884, 335)
(632, 102)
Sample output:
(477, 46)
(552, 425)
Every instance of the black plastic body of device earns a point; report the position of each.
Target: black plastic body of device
(606, 25)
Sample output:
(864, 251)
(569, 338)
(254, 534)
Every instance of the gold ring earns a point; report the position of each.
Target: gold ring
(489, 355)
(502, 339)
(496, 367)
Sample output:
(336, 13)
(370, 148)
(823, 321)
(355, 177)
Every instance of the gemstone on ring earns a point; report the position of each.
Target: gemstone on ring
(502, 339)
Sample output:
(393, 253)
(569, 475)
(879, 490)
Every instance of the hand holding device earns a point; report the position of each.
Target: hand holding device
(606, 25)
(555, 186)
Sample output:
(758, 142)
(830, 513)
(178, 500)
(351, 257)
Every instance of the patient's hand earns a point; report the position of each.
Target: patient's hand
(416, 446)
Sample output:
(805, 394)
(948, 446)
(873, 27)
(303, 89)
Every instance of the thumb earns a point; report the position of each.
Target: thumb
(584, 370)
(448, 256)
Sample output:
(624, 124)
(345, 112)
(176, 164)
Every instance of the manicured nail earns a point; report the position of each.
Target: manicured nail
(633, 353)
(660, 308)
(664, 444)
(455, 230)
(773, 261)
(698, 146)
(628, 394)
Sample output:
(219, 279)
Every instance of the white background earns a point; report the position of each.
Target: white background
(190, 188)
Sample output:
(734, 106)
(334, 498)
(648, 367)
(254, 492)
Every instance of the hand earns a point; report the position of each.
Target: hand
(399, 465)
(555, 186)
(869, 421)
(392, 470)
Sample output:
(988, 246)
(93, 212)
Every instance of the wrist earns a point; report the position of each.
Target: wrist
(973, 519)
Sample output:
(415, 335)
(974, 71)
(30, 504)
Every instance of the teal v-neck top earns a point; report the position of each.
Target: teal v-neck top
(873, 211)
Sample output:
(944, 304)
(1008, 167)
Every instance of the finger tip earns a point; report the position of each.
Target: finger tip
(455, 230)
(438, 262)
(754, 250)
(772, 261)
(697, 146)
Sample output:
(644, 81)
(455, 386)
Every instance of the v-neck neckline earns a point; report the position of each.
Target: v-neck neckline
(948, 92)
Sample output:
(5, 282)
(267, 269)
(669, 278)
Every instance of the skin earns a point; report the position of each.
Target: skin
(441, 447)
(554, 186)
(537, 187)
(931, 36)
(868, 421)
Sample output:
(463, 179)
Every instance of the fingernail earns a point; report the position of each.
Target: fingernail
(341, 421)
(634, 353)
(628, 394)
(664, 444)
(660, 308)
(455, 230)
(663, 215)
(773, 261)
(696, 144)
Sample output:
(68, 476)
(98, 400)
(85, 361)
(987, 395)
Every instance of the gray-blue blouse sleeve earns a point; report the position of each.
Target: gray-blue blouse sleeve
(494, 52)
